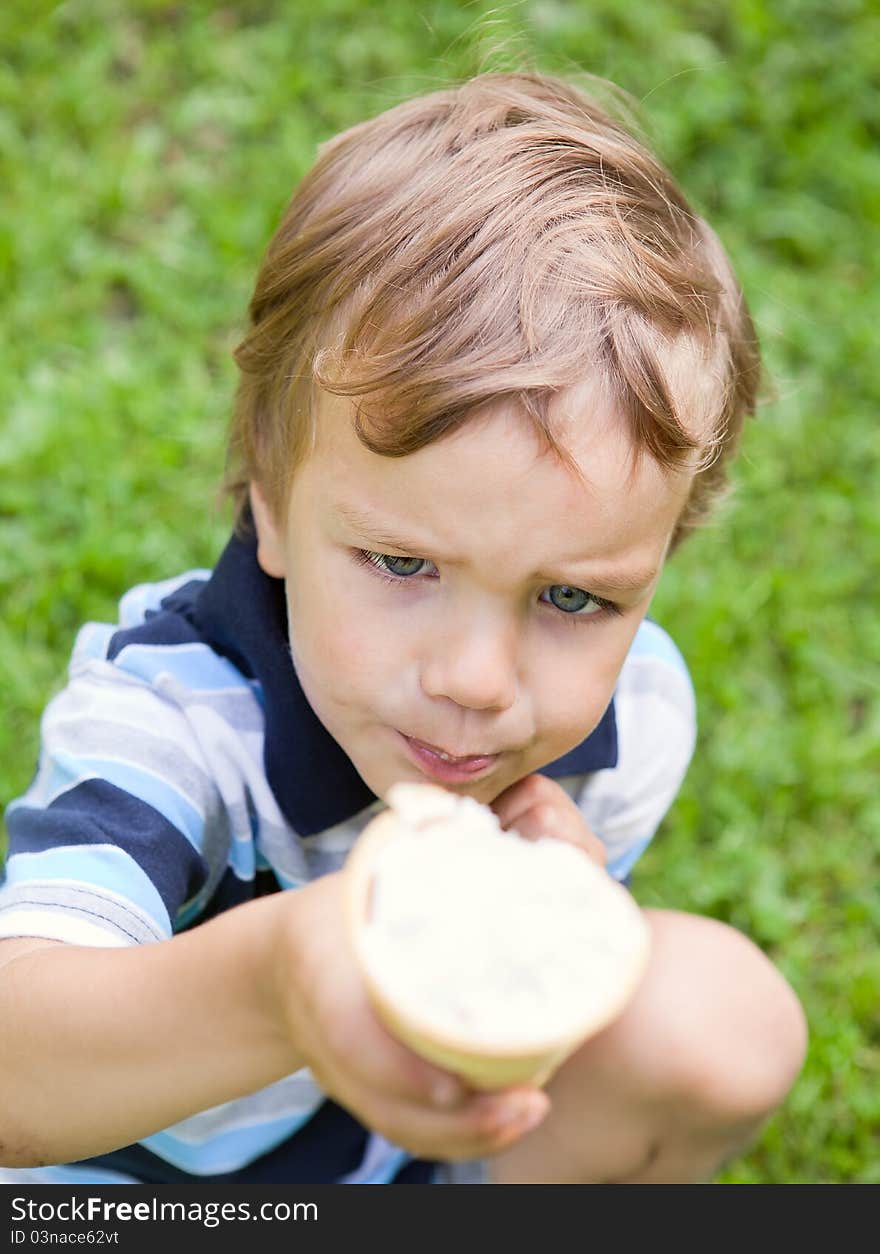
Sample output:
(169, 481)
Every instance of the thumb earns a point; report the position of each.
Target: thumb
(568, 826)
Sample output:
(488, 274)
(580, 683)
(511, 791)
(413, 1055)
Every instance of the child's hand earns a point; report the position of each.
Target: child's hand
(537, 806)
(361, 1066)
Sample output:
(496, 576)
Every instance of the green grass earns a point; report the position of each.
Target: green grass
(146, 152)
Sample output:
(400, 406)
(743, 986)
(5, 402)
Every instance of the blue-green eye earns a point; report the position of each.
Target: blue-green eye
(572, 600)
(401, 567)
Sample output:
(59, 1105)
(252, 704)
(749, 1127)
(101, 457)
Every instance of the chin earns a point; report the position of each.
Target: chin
(484, 790)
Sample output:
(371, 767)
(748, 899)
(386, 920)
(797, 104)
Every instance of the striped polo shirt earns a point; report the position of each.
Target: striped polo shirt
(182, 771)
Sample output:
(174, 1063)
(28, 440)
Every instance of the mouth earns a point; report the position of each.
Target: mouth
(444, 766)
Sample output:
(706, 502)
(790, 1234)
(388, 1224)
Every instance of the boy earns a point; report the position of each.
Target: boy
(494, 372)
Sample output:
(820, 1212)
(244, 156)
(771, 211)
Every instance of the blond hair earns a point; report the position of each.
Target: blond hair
(505, 238)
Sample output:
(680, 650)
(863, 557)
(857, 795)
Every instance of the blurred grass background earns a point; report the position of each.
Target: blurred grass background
(146, 152)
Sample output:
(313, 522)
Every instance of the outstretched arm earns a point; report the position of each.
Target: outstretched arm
(102, 1047)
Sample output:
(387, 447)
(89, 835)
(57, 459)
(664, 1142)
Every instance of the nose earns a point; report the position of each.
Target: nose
(475, 666)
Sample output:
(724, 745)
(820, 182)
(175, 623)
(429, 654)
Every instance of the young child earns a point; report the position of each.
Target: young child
(495, 371)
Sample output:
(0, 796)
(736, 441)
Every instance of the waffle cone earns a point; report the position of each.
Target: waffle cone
(484, 1064)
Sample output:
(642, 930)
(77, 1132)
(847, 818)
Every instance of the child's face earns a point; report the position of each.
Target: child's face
(473, 598)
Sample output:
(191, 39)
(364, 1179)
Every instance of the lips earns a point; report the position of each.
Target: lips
(444, 767)
(450, 757)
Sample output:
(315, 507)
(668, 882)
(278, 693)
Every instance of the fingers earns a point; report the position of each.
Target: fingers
(518, 804)
(388, 1066)
(485, 1124)
(426, 1110)
(339, 1030)
(358, 1043)
(537, 806)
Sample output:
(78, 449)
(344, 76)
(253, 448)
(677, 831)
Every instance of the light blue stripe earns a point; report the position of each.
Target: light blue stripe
(195, 665)
(86, 1174)
(229, 1150)
(72, 1174)
(620, 868)
(191, 910)
(68, 771)
(92, 641)
(386, 1173)
(285, 880)
(138, 600)
(652, 641)
(241, 858)
(97, 866)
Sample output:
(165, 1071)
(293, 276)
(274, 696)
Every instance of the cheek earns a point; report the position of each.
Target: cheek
(577, 682)
(341, 646)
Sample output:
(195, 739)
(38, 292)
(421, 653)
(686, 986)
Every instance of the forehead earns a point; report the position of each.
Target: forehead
(493, 482)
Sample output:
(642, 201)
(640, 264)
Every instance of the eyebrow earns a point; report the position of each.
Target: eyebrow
(371, 527)
(377, 532)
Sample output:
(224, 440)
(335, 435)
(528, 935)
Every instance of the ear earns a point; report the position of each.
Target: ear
(270, 537)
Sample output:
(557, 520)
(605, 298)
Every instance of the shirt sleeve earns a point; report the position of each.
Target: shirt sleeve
(655, 710)
(106, 846)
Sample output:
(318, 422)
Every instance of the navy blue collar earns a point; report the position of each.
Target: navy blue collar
(241, 612)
